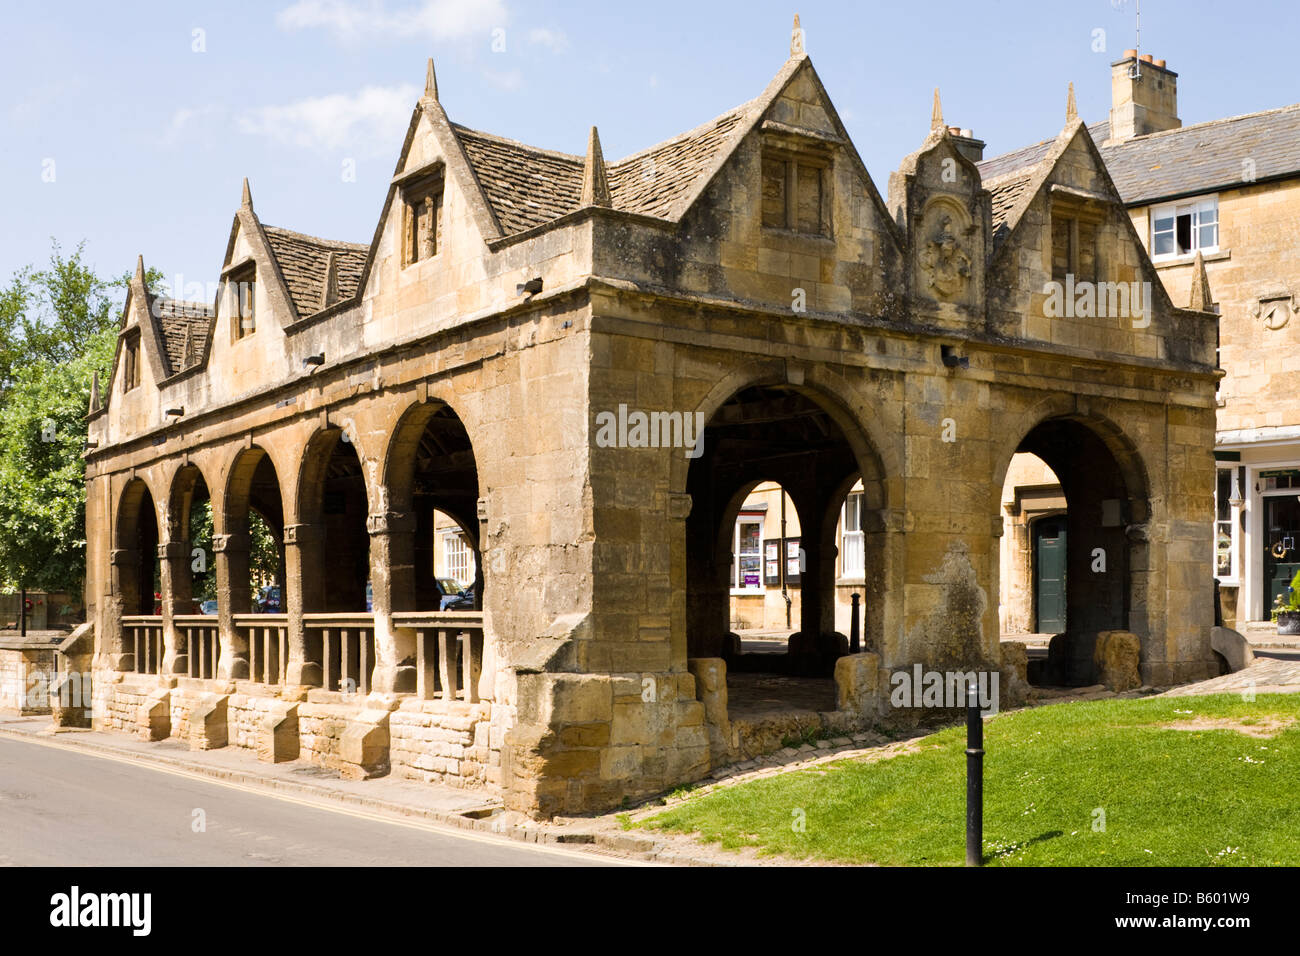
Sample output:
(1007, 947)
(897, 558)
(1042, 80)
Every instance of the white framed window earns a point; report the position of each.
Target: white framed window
(747, 555)
(457, 559)
(1227, 524)
(1181, 229)
(852, 540)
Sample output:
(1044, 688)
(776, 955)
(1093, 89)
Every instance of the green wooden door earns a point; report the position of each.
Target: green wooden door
(1049, 574)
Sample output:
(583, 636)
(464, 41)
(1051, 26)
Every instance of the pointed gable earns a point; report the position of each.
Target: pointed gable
(304, 263)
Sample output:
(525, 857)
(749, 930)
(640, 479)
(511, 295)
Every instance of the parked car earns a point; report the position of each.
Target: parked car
(453, 596)
(268, 600)
(208, 607)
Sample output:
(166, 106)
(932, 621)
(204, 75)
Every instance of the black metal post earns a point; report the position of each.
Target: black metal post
(855, 627)
(974, 779)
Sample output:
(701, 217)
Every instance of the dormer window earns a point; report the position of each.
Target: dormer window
(421, 218)
(1074, 240)
(131, 362)
(795, 186)
(241, 289)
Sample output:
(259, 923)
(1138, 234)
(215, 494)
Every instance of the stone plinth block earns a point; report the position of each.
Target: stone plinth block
(209, 727)
(70, 700)
(710, 675)
(857, 681)
(1014, 674)
(363, 749)
(277, 734)
(1116, 658)
(153, 717)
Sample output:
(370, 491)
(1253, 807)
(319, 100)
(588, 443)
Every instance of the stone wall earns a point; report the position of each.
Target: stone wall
(438, 741)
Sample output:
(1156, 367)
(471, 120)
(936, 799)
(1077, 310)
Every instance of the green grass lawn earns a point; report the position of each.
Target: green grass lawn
(1170, 797)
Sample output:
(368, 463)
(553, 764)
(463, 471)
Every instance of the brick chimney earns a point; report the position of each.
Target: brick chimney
(1143, 97)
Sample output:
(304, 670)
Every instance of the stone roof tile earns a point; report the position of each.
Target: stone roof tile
(177, 321)
(303, 262)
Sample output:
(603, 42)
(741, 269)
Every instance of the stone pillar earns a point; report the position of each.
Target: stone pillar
(304, 568)
(234, 596)
(125, 576)
(177, 596)
(392, 582)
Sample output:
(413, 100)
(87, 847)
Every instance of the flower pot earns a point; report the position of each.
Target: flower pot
(1288, 622)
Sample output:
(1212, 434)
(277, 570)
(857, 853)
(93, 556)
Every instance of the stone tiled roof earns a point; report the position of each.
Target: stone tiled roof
(1005, 194)
(655, 180)
(527, 187)
(177, 322)
(1206, 157)
(1178, 162)
(303, 261)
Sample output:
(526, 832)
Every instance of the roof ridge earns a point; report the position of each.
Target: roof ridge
(1223, 120)
(281, 230)
(506, 140)
(693, 131)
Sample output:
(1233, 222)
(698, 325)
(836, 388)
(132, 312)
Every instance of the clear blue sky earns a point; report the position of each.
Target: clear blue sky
(150, 138)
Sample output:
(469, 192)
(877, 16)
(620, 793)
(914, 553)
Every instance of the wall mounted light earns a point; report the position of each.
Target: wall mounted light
(174, 412)
(314, 360)
(531, 287)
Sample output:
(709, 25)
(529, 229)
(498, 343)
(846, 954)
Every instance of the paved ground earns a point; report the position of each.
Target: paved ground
(61, 806)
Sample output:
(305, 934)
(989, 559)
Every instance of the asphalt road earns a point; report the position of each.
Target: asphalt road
(63, 808)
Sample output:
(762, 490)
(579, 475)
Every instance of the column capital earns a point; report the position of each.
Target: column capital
(301, 533)
(173, 549)
(679, 506)
(122, 556)
(230, 542)
(390, 522)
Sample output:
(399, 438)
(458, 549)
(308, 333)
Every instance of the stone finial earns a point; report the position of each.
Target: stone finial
(94, 393)
(139, 269)
(936, 112)
(246, 200)
(595, 183)
(1201, 300)
(796, 38)
(330, 294)
(1071, 108)
(430, 81)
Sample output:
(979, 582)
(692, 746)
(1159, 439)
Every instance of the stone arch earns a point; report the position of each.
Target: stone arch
(331, 502)
(846, 454)
(135, 539)
(1108, 515)
(428, 466)
(252, 483)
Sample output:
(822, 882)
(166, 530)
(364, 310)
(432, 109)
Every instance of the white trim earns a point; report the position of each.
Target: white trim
(1196, 206)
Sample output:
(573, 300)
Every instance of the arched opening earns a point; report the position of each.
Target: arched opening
(192, 575)
(250, 540)
(139, 578)
(333, 500)
(765, 447)
(432, 476)
(1073, 549)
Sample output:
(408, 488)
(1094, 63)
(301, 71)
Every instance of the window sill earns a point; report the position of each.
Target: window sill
(796, 234)
(1170, 262)
(748, 592)
(851, 580)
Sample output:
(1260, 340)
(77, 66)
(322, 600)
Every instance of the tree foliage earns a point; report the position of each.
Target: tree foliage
(58, 327)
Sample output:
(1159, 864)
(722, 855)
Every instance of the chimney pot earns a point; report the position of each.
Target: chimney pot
(1146, 58)
(1160, 63)
(955, 130)
(1130, 54)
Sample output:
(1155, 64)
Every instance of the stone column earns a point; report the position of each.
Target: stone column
(177, 596)
(392, 580)
(304, 568)
(234, 596)
(125, 578)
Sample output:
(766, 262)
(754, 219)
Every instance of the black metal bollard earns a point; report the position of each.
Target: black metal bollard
(974, 779)
(855, 626)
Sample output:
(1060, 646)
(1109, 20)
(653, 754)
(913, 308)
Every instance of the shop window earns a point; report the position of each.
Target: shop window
(747, 555)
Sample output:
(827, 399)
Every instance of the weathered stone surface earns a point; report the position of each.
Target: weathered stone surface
(208, 728)
(1234, 647)
(277, 739)
(1116, 659)
(858, 684)
(154, 718)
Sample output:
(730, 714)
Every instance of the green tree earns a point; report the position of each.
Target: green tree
(58, 327)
